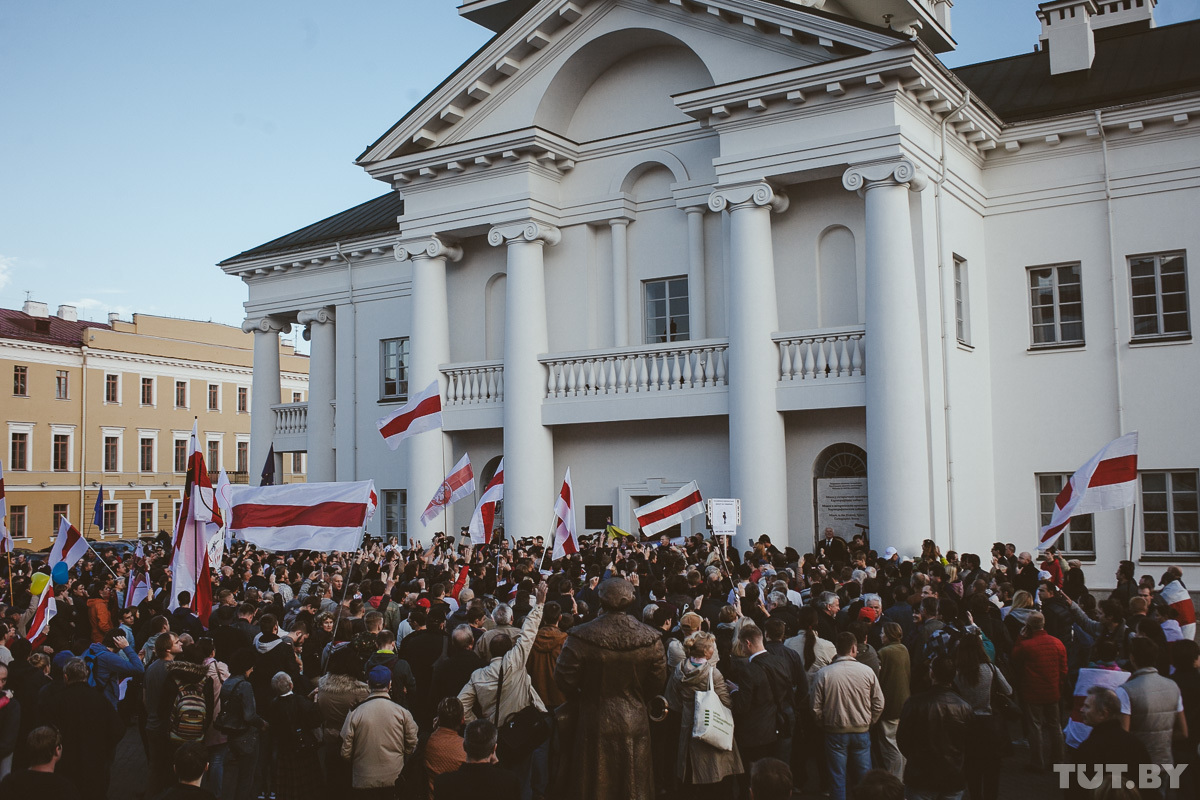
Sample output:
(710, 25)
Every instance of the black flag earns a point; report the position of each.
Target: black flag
(268, 473)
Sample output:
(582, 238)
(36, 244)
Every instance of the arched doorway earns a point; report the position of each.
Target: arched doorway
(840, 491)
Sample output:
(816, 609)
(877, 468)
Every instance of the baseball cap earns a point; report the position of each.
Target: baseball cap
(423, 603)
(889, 552)
(379, 677)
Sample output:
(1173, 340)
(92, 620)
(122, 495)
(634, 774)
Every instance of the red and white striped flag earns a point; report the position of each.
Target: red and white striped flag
(458, 484)
(485, 512)
(423, 412)
(1108, 481)
(670, 510)
(39, 626)
(565, 543)
(199, 518)
(137, 590)
(327, 517)
(69, 545)
(6, 540)
(1176, 595)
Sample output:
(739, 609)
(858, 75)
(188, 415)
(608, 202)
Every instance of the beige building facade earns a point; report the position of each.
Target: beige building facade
(93, 406)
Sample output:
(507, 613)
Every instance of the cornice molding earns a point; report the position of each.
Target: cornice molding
(527, 231)
(433, 246)
(755, 194)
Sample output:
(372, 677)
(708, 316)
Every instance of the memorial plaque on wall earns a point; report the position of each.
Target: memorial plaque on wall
(841, 502)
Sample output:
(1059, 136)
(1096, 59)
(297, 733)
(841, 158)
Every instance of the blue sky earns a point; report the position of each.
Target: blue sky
(143, 141)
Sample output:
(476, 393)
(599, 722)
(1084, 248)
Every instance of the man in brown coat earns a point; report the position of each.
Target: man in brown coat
(544, 655)
(608, 670)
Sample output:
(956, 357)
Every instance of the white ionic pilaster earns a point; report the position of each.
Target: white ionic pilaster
(528, 445)
(620, 284)
(264, 393)
(697, 316)
(428, 348)
(757, 454)
(897, 428)
(322, 378)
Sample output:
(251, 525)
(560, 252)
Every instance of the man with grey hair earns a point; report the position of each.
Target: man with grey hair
(503, 617)
(828, 606)
(1108, 743)
(453, 669)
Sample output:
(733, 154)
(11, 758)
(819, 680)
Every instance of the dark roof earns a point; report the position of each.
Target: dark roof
(1131, 64)
(45, 330)
(374, 216)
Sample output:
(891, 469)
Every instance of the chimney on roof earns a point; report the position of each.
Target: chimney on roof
(113, 317)
(68, 314)
(1067, 32)
(36, 309)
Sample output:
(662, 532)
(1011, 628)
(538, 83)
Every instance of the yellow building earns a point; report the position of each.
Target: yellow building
(120, 399)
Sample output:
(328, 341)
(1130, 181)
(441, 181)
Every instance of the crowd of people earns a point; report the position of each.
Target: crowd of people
(633, 669)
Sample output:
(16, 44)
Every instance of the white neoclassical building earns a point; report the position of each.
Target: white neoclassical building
(776, 247)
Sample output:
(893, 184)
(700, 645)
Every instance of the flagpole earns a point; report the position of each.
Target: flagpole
(346, 586)
(1132, 531)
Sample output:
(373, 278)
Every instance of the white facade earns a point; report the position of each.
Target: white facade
(854, 228)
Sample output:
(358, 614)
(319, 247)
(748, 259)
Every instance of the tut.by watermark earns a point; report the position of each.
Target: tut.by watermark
(1145, 776)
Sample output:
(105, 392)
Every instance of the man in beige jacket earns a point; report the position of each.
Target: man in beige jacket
(508, 656)
(377, 737)
(847, 700)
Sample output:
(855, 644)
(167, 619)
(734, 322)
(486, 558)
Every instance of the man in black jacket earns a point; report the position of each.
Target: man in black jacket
(481, 775)
(274, 653)
(763, 700)
(776, 630)
(933, 735)
(1108, 743)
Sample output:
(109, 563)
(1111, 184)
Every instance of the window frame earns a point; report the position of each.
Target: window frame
(57, 512)
(66, 432)
(148, 391)
(112, 389)
(1160, 334)
(62, 384)
(242, 455)
(20, 380)
(152, 506)
(1170, 512)
(112, 509)
(175, 453)
(119, 435)
(213, 397)
(152, 438)
(243, 399)
(667, 282)
(1077, 527)
(213, 465)
(394, 521)
(25, 431)
(182, 390)
(962, 301)
(1056, 284)
(401, 368)
(18, 521)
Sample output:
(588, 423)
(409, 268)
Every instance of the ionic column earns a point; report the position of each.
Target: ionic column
(620, 273)
(428, 348)
(697, 317)
(897, 431)
(528, 445)
(264, 393)
(757, 455)
(322, 378)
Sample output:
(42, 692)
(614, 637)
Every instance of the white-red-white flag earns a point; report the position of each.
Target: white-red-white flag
(1108, 481)
(485, 513)
(1176, 595)
(1077, 731)
(458, 484)
(199, 518)
(565, 543)
(6, 541)
(423, 412)
(671, 510)
(137, 590)
(39, 626)
(326, 517)
(69, 545)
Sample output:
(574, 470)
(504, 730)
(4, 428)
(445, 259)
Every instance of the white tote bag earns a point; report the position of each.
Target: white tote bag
(713, 722)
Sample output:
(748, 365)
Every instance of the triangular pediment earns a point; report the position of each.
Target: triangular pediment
(539, 70)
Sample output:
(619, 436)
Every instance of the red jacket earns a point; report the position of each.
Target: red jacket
(1039, 665)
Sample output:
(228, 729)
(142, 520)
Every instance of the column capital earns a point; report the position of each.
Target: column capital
(433, 246)
(320, 316)
(528, 231)
(619, 222)
(757, 193)
(700, 208)
(898, 172)
(264, 324)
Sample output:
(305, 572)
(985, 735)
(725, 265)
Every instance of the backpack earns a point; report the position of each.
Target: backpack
(231, 720)
(189, 715)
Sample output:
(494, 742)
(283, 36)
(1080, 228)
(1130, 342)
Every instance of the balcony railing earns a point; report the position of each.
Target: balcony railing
(291, 419)
(821, 355)
(236, 478)
(478, 383)
(674, 367)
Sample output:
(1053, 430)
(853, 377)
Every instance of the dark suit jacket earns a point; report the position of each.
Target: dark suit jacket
(475, 781)
(763, 705)
(835, 550)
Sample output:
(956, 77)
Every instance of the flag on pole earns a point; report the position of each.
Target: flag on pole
(458, 484)
(1177, 597)
(6, 540)
(565, 543)
(485, 512)
(613, 530)
(303, 516)
(671, 510)
(98, 512)
(1108, 481)
(423, 412)
(1077, 731)
(137, 590)
(198, 520)
(268, 472)
(69, 545)
(39, 626)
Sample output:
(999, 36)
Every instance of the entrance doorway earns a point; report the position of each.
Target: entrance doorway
(840, 492)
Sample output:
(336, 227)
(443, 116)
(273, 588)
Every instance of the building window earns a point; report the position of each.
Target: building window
(243, 399)
(1159, 290)
(112, 388)
(146, 454)
(1079, 537)
(962, 306)
(175, 507)
(61, 512)
(214, 456)
(297, 397)
(21, 381)
(181, 394)
(146, 514)
(19, 452)
(214, 397)
(395, 502)
(112, 518)
(62, 385)
(666, 310)
(16, 522)
(180, 455)
(243, 457)
(147, 391)
(394, 369)
(60, 453)
(112, 454)
(1170, 522)
(1056, 300)
(297, 463)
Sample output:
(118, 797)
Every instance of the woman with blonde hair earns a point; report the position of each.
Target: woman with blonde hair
(704, 769)
(1016, 614)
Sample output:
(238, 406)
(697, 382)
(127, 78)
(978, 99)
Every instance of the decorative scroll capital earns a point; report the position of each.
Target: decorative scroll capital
(758, 193)
(317, 316)
(433, 246)
(264, 324)
(901, 172)
(527, 231)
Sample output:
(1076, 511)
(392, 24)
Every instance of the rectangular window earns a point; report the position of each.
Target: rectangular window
(146, 517)
(62, 385)
(112, 387)
(19, 455)
(214, 397)
(112, 451)
(395, 503)
(146, 454)
(213, 457)
(61, 511)
(181, 394)
(297, 463)
(962, 307)
(147, 391)
(394, 369)
(1056, 302)
(1159, 291)
(297, 397)
(666, 310)
(1170, 523)
(1079, 537)
(112, 518)
(16, 522)
(243, 457)
(180, 455)
(243, 399)
(21, 381)
(175, 506)
(60, 453)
